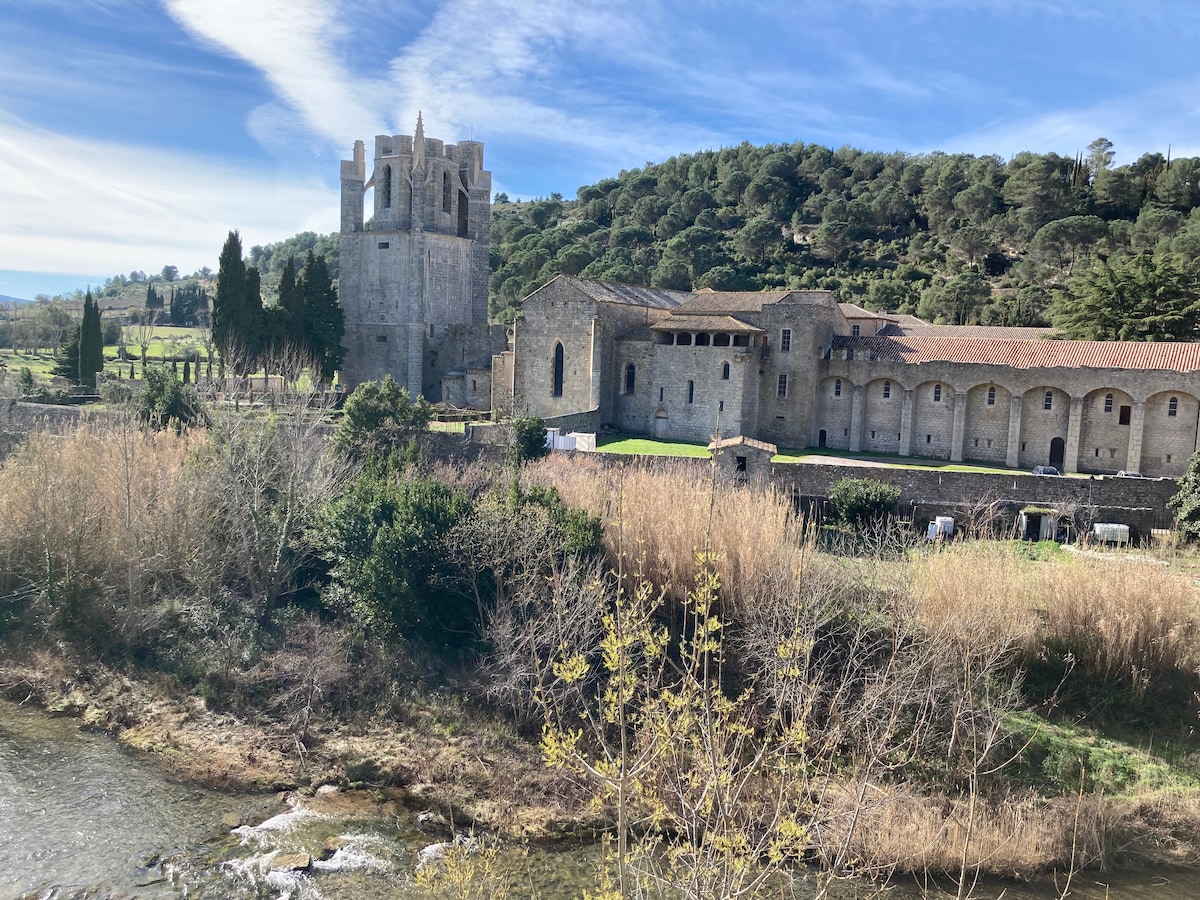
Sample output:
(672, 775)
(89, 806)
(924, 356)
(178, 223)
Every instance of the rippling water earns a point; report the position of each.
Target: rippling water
(81, 819)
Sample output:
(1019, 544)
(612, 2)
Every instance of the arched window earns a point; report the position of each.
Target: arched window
(991, 396)
(387, 187)
(937, 393)
(724, 371)
(837, 387)
(887, 390)
(629, 377)
(1108, 400)
(1173, 407)
(1048, 400)
(557, 389)
(445, 192)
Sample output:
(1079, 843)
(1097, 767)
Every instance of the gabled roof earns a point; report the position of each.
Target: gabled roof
(628, 294)
(854, 311)
(742, 441)
(716, 303)
(1174, 356)
(676, 322)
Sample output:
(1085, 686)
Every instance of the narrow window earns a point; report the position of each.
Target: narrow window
(854, 330)
(629, 378)
(1097, 451)
(720, 406)
(557, 386)
(724, 371)
(837, 387)
(1108, 403)
(785, 340)
(1173, 407)
(782, 389)
(445, 192)
(473, 385)
(929, 438)
(387, 187)
(937, 393)
(660, 395)
(991, 396)
(1048, 400)
(691, 391)
(887, 389)
(976, 442)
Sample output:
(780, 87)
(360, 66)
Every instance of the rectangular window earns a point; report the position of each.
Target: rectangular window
(929, 438)
(381, 338)
(383, 245)
(785, 340)
(1124, 414)
(720, 406)
(854, 330)
(691, 391)
(782, 390)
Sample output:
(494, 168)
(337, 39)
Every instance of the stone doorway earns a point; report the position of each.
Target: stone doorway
(822, 438)
(1058, 453)
(661, 423)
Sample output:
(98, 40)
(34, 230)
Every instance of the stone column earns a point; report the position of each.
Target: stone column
(1074, 421)
(906, 417)
(960, 426)
(1012, 458)
(1137, 425)
(856, 419)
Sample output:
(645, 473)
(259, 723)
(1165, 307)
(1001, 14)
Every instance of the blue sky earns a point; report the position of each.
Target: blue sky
(136, 133)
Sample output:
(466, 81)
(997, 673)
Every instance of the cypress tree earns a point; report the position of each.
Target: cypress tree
(237, 309)
(91, 342)
(325, 323)
(291, 301)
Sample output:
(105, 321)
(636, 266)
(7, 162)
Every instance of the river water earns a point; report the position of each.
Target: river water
(79, 819)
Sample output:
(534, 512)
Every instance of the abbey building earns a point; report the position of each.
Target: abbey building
(798, 369)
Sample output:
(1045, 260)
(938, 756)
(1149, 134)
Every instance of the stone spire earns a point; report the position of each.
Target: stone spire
(419, 144)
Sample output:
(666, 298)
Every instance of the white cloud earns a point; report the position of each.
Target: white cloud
(80, 206)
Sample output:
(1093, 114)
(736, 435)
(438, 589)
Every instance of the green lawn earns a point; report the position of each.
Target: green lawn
(650, 447)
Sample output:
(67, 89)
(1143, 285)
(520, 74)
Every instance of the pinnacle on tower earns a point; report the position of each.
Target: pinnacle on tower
(419, 144)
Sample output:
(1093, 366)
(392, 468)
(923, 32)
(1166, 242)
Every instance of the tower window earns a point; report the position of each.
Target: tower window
(837, 387)
(782, 389)
(1048, 400)
(724, 371)
(1173, 407)
(445, 192)
(387, 187)
(1108, 403)
(691, 390)
(630, 374)
(785, 340)
(887, 390)
(557, 378)
(991, 401)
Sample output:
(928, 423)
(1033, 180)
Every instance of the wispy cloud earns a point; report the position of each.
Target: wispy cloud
(74, 205)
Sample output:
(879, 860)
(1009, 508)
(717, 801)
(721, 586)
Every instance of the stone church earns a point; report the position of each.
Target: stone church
(414, 277)
(798, 369)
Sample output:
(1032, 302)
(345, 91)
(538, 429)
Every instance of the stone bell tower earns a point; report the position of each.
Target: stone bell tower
(414, 277)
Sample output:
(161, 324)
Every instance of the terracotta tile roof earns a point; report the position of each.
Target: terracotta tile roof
(715, 303)
(923, 329)
(741, 441)
(1168, 356)
(677, 322)
(628, 294)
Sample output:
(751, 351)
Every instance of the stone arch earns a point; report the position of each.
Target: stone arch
(1104, 430)
(1040, 426)
(932, 419)
(884, 402)
(833, 411)
(1165, 435)
(985, 437)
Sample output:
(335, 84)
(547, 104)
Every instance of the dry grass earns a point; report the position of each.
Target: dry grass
(656, 519)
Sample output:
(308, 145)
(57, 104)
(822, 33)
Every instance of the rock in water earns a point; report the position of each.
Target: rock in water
(291, 862)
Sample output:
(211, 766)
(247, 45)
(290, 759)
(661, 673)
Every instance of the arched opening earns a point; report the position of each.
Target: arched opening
(724, 371)
(822, 438)
(557, 386)
(630, 375)
(446, 192)
(387, 187)
(464, 209)
(1058, 452)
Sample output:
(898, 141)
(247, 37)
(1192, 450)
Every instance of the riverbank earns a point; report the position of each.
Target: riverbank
(445, 756)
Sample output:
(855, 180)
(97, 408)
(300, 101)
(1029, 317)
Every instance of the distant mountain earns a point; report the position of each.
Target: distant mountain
(4, 298)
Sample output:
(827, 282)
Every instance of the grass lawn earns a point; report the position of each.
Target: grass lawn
(650, 447)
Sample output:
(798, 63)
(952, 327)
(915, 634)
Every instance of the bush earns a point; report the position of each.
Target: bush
(529, 438)
(861, 502)
(380, 417)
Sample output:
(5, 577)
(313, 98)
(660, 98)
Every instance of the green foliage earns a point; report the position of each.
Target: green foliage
(379, 418)
(1134, 298)
(164, 402)
(1186, 502)
(529, 439)
(322, 322)
(25, 380)
(237, 316)
(91, 342)
(68, 363)
(861, 502)
(383, 541)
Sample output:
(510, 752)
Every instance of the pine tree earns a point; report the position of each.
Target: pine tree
(325, 323)
(68, 363)
(91, 342)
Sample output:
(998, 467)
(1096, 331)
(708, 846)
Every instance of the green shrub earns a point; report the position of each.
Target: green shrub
(861, 502)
